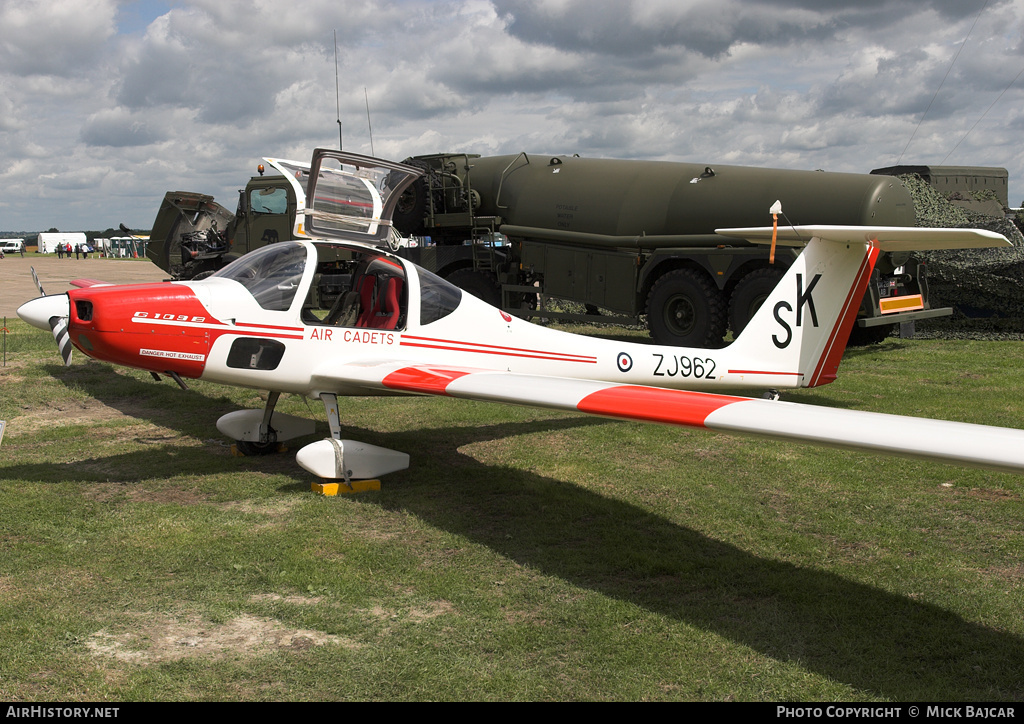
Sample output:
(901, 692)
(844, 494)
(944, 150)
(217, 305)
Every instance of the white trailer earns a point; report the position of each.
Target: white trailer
(48, 240)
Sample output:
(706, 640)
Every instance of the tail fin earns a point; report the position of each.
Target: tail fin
(797, 337)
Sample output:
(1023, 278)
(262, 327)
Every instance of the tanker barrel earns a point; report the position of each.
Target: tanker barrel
(621, 198)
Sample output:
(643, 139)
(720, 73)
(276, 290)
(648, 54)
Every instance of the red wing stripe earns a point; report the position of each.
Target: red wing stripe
(652, 404)
(418, 379)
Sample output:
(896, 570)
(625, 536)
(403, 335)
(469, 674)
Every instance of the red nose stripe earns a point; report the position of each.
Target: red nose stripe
(655, 405)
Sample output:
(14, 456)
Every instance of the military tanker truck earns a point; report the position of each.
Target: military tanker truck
(623, 240)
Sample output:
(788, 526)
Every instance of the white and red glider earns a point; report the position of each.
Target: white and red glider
(336, 314)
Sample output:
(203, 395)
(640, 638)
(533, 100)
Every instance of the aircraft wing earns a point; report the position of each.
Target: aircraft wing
(956, 442)
(887, 238)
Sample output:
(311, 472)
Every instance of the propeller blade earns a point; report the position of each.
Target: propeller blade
(59, 327)
(35, 278)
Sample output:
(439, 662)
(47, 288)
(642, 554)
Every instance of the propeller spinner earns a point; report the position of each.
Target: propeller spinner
(51, 313)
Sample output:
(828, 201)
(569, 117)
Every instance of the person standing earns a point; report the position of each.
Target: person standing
(60, 251)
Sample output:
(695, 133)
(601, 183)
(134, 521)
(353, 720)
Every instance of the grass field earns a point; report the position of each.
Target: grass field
(525, 555)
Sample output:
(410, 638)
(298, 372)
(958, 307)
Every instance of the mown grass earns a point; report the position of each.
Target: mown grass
(524, 555)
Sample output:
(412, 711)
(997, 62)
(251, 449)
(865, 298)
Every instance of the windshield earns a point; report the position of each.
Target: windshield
(272, 200)
(271, 274)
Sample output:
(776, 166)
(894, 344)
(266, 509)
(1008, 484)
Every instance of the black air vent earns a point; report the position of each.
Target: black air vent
(252, 353)
(84, 311)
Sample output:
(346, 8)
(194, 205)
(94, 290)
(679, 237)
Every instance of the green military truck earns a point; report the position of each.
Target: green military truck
(624, 240)
(194, 236)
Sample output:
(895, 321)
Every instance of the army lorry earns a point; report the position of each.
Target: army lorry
(623, 240)
(194, 236)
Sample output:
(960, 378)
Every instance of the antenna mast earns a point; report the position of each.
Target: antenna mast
(337, 90)
(367, 99)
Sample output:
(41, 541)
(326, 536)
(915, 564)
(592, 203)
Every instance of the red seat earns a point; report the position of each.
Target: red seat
(366, 306)
(389, 305)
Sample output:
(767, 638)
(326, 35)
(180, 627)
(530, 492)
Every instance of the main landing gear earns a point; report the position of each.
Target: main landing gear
(258, 432)
(347, 460)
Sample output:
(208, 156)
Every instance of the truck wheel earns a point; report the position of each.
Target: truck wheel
(412, 204)
(684, 309)
(749, 295)
(480, 285)
(411, 207)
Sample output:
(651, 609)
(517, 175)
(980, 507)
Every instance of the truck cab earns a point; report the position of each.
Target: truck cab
(265, 213)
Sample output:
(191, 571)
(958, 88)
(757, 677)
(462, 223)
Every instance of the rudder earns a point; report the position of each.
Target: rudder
(801, 330)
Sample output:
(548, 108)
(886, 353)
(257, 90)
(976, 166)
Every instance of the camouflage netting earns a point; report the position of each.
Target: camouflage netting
(985, 287)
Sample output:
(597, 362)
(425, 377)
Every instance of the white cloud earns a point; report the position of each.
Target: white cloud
(96, 126)
(54, 37)
(118, 127)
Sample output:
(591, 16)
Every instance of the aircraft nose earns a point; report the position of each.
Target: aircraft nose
(38, 311)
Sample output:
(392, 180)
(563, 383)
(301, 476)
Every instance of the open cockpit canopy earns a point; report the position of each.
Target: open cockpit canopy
(353, 197)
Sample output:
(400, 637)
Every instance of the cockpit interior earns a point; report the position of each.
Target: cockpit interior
(352, 285)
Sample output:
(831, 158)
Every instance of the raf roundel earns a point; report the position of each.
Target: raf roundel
(625, 362)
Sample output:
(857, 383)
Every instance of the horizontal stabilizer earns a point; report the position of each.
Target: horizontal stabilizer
(886, 238)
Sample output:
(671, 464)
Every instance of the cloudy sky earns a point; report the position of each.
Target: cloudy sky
(107, 104)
